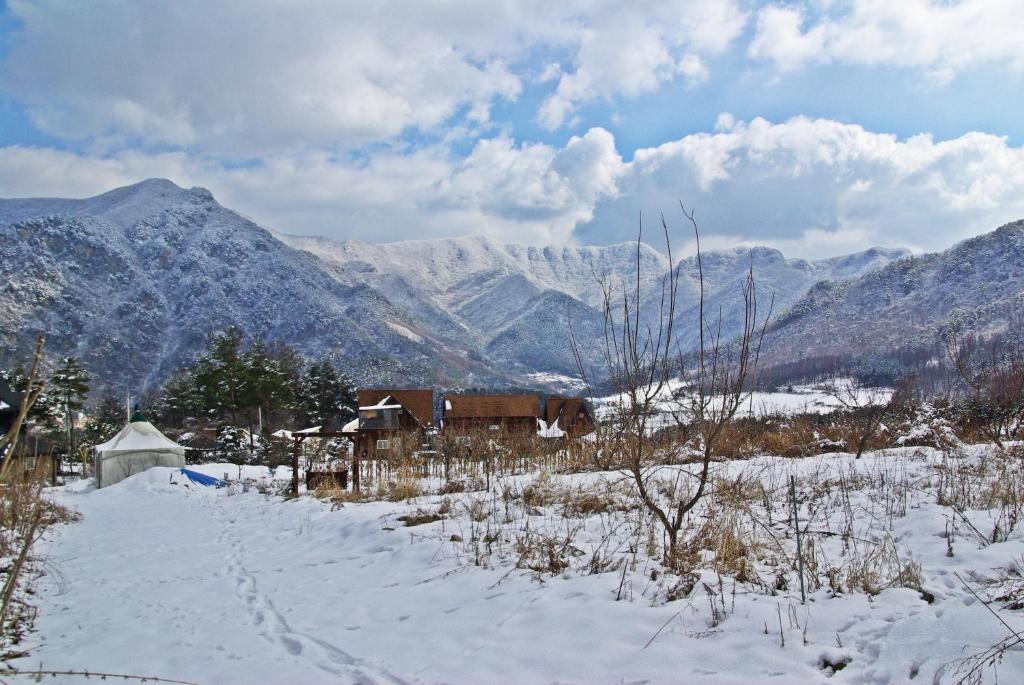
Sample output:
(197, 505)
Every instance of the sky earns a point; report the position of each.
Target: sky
(819, 127)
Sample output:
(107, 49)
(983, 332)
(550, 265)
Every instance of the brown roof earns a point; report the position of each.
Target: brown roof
(491, 406)
(419, 402)
(563, 410)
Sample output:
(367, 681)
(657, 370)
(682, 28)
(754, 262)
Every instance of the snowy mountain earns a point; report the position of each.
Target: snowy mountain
(976, 285)
(515, 303)
(134, 280)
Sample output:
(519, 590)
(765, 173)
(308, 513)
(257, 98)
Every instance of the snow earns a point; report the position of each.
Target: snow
(219, 586)
(135, 262)
(404, 331)
(287, 434)
(139, 436)
(811, 398)
(4, 405)
(546, 431)
(557, 379)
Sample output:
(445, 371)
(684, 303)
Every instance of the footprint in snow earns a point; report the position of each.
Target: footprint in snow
(292, 646)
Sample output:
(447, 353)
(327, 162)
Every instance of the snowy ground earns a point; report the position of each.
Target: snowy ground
(219, 586)
(814, 398)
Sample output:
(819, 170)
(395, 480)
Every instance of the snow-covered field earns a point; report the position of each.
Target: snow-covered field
(221, 586)
(812, 398)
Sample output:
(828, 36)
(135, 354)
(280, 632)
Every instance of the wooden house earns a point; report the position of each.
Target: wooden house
(386, 414)
(511, 413)
(571, 416)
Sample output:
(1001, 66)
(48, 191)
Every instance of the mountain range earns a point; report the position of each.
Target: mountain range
(134, 281)
(911, 303)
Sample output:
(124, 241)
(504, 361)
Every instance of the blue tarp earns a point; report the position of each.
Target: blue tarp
(203, 479)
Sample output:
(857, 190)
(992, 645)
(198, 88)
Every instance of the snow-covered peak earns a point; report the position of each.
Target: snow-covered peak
(122, 206)
(126, 206)
(135, 279)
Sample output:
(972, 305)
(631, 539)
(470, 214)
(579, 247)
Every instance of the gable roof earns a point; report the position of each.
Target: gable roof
(564, 410)
(419, 402)
(491, 406)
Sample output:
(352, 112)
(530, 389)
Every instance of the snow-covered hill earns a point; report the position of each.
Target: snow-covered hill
(516, 302)
(976, 285)
(135, 279)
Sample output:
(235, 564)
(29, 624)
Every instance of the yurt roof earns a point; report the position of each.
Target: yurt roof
(140, 436)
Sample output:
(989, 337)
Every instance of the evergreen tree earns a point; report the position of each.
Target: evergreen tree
(68, 387)
(46, 411)
(231, 447)
(266, 387)
(326, 394)
(106, 419)
(180, 399)
(220, 376)
(292, 365)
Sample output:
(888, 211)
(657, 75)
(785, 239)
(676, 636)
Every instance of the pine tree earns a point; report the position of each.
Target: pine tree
(326, 394)
(266, 387)
(220, 376)
(46, 411)
(292, 365)
(68, 387)
(106, 419)
(180, 399)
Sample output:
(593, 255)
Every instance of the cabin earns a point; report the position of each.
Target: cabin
(569, 417)
(508, 413)
(385, 414)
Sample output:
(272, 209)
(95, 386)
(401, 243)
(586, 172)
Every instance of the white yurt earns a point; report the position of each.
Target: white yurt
(137, 447)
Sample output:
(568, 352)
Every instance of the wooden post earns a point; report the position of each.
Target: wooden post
(355, 461)
(296, 446)
(799, 547)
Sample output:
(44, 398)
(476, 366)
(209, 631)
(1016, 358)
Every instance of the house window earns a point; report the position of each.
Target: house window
(382, 444)
(463, 440)
(493, 427)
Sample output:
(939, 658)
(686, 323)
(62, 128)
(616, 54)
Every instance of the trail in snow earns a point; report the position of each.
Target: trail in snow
(197, 585)
(154, 582)
(274, 627)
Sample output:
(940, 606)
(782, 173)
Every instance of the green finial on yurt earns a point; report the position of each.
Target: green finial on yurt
(137, 415)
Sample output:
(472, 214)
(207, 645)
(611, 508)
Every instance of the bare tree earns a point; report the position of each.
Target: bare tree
(993, 372)
(654, 382)
(866, 408)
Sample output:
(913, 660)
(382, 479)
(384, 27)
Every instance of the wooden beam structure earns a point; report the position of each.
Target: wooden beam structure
(298, 439)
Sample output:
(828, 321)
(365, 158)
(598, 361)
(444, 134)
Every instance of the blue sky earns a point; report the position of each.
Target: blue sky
(819, 127)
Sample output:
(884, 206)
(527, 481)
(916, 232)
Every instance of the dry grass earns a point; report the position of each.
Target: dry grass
(24, 516)
(399, 491)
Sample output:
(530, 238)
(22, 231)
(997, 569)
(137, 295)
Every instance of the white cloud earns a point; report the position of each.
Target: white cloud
(533, 194)
(780, 38)
(942, 37)
(246, 78)
(637, 49)
(817, 186)
(45, 172)
(242, 78)
(811, 187)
